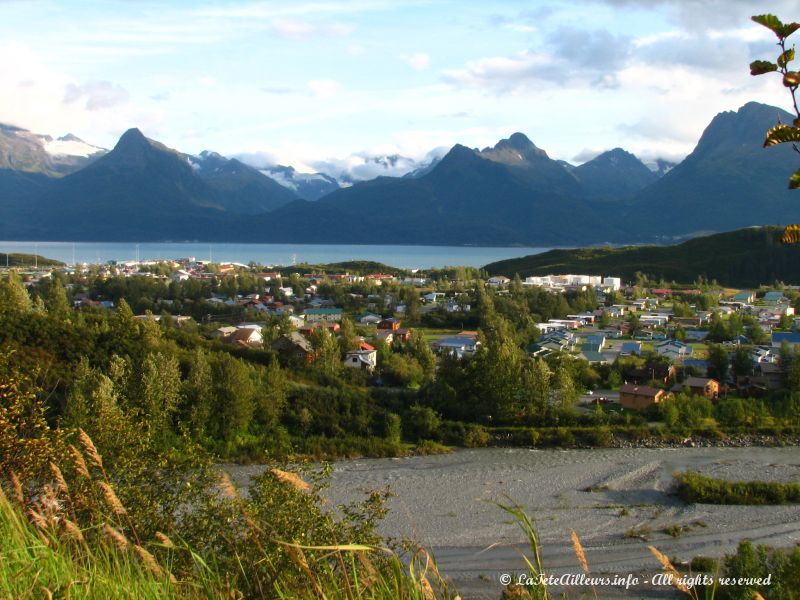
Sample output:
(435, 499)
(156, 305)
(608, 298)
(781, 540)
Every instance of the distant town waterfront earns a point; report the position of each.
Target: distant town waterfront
(408, 257)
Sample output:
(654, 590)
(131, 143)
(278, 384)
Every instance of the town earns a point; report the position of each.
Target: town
(624, 347)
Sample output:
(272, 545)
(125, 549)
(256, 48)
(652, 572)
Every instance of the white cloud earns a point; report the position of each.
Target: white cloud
(324, 88)
(95, 95)
(356, 50)
(567, 55)
(49, 101)
(297, 29)
(417, 61)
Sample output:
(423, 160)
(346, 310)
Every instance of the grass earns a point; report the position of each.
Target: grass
(642, 532)
(694, 487)
(38, 564)
(33, 565)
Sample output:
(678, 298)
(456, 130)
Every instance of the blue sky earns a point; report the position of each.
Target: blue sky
(319, 84)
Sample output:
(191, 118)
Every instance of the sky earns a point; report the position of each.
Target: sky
(321, 84)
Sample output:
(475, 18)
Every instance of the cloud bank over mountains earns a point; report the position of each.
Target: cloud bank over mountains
(306, 81)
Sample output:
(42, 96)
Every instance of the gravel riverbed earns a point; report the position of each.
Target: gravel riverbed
(446, 503)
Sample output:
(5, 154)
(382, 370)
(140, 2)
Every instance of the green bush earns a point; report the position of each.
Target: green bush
(476, 436)
(694, 487)
(703, 564)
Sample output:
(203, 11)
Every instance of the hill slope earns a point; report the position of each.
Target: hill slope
(743, 258)
(27, 152)
(729, 181)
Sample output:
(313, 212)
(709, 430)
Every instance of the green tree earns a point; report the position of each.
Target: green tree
(198, 392)
(537, 381)
(566, 392)
(718, 363)
(742, 363)
(495, 374)
(329, 357)
(159, 392)
(234, 392)
(57, 302)
(418, 347)
(422, 422)
(348, 337)
(634, 325)
(13, 295)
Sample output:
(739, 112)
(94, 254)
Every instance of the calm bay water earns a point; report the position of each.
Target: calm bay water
(410, 257)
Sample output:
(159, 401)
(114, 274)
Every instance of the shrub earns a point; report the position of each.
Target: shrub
(476, 436)
(694, 487)
(703, 564)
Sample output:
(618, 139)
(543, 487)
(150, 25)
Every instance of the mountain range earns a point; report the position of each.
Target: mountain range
(512, 193)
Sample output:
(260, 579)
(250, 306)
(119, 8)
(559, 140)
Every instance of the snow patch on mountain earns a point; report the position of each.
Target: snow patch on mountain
(68, 145)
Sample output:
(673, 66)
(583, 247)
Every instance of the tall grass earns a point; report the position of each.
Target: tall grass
(45, 553)
(36, 565)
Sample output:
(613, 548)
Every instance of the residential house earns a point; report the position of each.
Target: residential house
(498, 281)
(774, 298)
(361, 359)
(699, 386)
(744, 297)
(790, 337)
(432, 296)
(370, 319)
(223, 332)
(180, 276)
(385, 335)
(390, 324)
(695, 335)
(403, 334)
(630, 348)
(309, 328)
(651, 371)
(461, 345)
(296, 322)
(593, 357)
(673, 349)
(639, 397)
(295, 346)
(244, 336)
(597, 340)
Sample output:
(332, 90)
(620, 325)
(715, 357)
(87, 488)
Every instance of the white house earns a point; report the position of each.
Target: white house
(361, 359)
(498, 280)
(460, 345)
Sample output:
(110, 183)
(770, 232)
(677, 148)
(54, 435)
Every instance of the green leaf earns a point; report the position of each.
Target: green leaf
(759, 67)
(789, 29)
(794, 181)
(786, 57)
(791, 235)
(780, 134)
(791, 79)
(771, 22)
